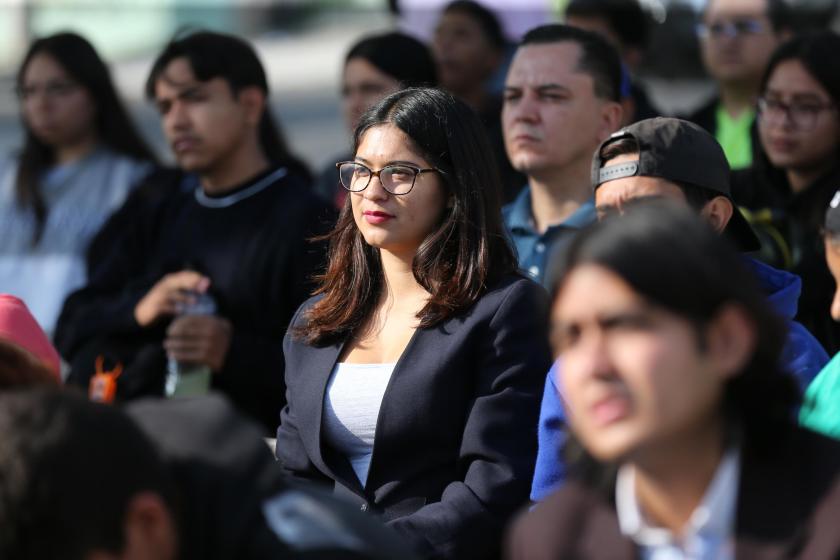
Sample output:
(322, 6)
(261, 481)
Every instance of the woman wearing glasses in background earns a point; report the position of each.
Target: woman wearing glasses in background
(413, 376)
(80, 157)
(797, 170)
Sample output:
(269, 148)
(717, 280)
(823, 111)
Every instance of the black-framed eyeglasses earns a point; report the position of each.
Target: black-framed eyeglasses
(397, 178)
(734, 28)
(801, 115)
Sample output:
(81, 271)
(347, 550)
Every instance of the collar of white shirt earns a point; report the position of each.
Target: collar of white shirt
(708, 532)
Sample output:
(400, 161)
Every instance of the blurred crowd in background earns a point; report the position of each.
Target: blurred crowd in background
(421, 279)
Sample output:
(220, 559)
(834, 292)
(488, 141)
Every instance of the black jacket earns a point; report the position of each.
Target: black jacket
(456, 437)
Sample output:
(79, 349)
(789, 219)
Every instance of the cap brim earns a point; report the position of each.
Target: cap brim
(739, 230)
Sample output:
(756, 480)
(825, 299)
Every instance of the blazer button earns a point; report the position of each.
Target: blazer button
(364, 507)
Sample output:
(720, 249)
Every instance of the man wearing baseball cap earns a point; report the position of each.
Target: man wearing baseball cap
(675, 159)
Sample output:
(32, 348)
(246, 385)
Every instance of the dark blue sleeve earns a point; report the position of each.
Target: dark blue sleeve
(803, 356)
(550, 471)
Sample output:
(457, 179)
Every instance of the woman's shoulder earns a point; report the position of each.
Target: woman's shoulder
(299, 318)
(515, 288)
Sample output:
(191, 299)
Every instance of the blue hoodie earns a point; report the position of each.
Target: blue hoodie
(802, 356)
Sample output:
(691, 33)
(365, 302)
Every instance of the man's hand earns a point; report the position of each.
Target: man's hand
(171, 291)
(199, 339)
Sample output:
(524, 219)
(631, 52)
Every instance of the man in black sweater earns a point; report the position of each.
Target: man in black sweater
(239, 233)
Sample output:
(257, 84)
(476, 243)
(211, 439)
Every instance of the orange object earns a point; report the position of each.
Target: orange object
(103, 384)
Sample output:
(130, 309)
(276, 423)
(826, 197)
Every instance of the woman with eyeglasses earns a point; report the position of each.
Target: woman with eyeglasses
(81, 156)
(797, 169)
(374, 67)
(413, 376)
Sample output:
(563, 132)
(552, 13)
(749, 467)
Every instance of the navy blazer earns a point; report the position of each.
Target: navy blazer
(456, 436)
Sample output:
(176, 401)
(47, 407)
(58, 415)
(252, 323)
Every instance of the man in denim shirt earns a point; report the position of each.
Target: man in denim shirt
(561, 101)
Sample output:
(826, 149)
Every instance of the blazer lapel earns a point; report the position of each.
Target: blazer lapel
(384, 430)
(320, 363)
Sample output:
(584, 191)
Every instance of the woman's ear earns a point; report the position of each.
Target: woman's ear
(730, 340)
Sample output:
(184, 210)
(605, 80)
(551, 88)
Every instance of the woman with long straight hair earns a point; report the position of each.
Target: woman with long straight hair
(413, 375)
(80, 158)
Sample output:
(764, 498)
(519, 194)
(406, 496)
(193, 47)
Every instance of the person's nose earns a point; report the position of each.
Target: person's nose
(527, 110)
(375, 190)
(177, 118)
(593, 357)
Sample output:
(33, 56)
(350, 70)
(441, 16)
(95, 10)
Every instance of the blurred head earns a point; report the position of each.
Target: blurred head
(561, 99)
(673, 159)
(211, 91)
(468, 44)
(657, 345)
(799, 122)
(78, 480)
(379, 65)
(448, 223)
(67, 99)
(737, 38)
(622, 22)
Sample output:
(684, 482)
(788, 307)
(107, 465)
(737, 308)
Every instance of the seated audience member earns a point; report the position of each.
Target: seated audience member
(470, 48)
(414, 374)
(562, 97)
(80, 158)
(821, 409)
(737, 38)
(684, 445)
(677, 160)
(240, 237)
(797, 170)
(625, 24)
(81, 480)
(374, 67)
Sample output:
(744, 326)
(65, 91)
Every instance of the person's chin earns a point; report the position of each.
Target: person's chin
(191, 163)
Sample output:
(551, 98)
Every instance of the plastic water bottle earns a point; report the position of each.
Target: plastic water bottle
(188, 379)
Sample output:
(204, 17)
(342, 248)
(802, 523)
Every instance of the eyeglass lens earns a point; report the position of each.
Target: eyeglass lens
(396, 179)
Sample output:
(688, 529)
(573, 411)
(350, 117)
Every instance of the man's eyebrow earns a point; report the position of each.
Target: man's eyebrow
(550, 87)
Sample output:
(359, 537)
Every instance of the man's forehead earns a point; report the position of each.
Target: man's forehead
(177, 75)
(545, 63)
(723, 8)
(623, 190)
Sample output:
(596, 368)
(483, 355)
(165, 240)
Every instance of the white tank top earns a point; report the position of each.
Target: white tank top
(351, 408)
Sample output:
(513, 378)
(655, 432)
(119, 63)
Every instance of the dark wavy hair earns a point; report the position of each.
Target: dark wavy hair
(457, 262)
(114, 128)
(670, 257)
(218, 55)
